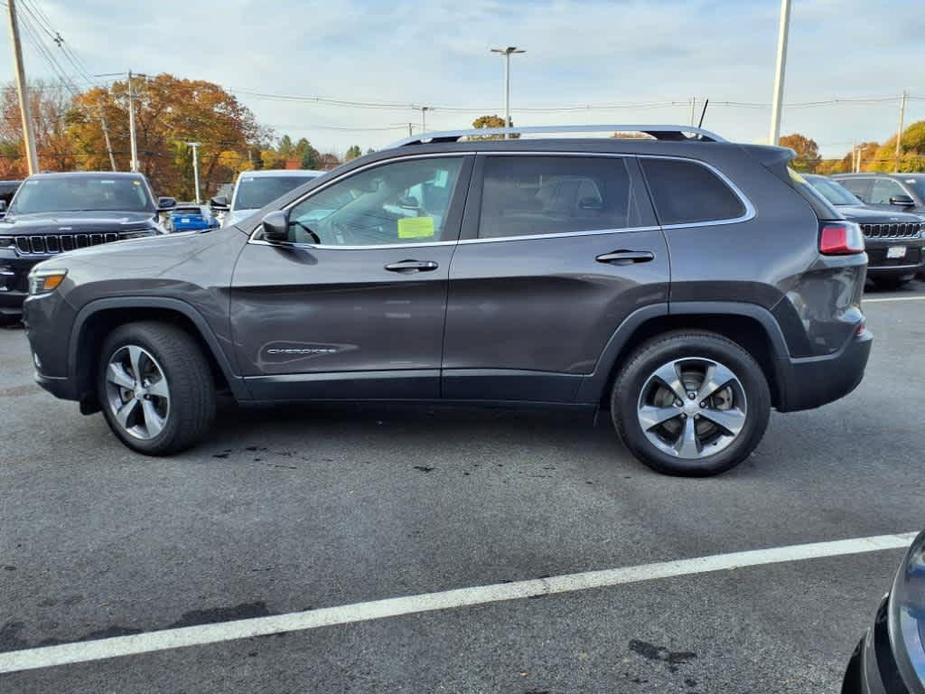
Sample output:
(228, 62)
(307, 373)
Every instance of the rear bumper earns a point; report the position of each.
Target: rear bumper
(814, 381)
(878, 265)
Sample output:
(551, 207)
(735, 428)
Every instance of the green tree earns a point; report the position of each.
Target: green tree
(353, 152)
(807, 152)
(912, 151)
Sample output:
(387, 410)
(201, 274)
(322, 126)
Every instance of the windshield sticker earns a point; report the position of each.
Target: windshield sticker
(416, 228)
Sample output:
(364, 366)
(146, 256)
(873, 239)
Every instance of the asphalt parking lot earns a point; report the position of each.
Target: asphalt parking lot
(294, 510)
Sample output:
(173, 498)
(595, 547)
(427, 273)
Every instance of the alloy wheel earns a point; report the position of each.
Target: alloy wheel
(692, 407)
(137, 392)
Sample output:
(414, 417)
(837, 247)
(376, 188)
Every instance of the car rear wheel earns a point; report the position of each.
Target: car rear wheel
(155, 387)
(691, 403)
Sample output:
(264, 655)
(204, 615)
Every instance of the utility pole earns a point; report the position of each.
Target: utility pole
(693, 108)
(507, 52)
(424, 110)
(195, 146)
(112, 159)
(25, 112)
(131, 124)
(779, 72)
(899, 135)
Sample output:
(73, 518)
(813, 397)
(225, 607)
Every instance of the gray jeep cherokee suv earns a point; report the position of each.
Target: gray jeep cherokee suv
(686, 283)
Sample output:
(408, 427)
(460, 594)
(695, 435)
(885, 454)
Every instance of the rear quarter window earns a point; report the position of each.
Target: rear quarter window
(685, 192)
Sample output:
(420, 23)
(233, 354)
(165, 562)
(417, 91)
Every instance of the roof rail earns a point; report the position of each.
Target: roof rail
(659, 132)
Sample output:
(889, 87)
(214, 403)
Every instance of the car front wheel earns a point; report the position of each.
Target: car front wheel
(691, 403)
(155, 387)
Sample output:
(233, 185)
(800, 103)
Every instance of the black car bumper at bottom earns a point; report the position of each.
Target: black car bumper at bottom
(880, 264)
(14, 283)
(814, 381)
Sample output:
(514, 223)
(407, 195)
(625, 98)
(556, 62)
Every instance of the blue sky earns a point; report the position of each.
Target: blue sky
(647, 57)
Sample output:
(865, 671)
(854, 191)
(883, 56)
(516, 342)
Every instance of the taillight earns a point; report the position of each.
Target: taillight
(840, 238)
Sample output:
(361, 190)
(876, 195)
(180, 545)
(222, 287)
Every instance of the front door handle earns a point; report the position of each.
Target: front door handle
(622, 257)
(408, 266)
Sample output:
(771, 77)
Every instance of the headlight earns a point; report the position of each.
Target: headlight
(45, 281)
(7, 242)
(906, 618)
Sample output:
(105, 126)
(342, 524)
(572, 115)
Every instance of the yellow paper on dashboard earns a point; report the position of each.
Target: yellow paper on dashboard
(416, 228)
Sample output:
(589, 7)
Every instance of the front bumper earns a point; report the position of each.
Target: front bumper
(878, 265)
(14, 282)
(814, 381)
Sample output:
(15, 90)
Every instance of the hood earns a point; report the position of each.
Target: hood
(75, 221)
(868, 215)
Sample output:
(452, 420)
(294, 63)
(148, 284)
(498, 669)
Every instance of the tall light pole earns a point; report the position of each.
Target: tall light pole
(782, 35)
(25, 112)
(902, 124)
(131, 124)
(195, 146)
(507, 52)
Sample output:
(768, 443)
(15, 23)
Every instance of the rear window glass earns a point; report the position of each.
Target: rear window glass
(687, 193)
(535, 195)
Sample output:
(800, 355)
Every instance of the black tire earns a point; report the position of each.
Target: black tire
(652, 355)
(189, 381)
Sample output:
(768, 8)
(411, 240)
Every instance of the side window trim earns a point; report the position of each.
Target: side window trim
(454, 214)
(746, 216)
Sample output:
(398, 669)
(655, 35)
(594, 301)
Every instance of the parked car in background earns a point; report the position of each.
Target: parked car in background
(894, 240)
(255, 189)
(188, 216)
(900, 191)
(518, 271)
(7, 190)
(57, 212)
(890, 659)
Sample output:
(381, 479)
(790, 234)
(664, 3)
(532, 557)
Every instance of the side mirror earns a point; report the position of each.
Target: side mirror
(2, 206)
(219, 202)
(409, 203)
(276, 226)
(165, 203)
(902, 201)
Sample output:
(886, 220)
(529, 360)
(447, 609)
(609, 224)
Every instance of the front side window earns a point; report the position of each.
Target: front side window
(883, 190)
(401, 202)
(83, 193)
(688, 193)
(535, 195)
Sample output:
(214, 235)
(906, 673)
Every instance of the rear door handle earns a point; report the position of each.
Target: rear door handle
(408, 266)
(626, 257)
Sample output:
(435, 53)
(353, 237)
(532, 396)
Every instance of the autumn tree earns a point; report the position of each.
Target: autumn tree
(912, 152)
(492, 121)
(353, 152)
(51, 108)
(868, 153)
(169, 112)
(807, 152)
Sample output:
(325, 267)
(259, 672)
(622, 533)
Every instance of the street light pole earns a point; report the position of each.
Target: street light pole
(195, 146)
(25, 112)
(507, 53)
(131, 125)
(424, 110)
(902, 124)
(777, 103)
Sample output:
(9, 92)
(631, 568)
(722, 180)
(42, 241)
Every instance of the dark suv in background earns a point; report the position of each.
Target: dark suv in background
(56, 212)
(894, 240)
(686, 283)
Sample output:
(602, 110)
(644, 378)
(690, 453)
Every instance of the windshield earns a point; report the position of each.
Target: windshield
(917, 183)
(256, 191)
(834, 192)
(83, 193)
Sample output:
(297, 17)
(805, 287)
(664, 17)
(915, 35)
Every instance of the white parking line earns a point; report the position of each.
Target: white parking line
(33, 658)
(884, 299)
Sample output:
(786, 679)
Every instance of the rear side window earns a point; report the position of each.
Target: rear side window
(687, 193)
(535, 195)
